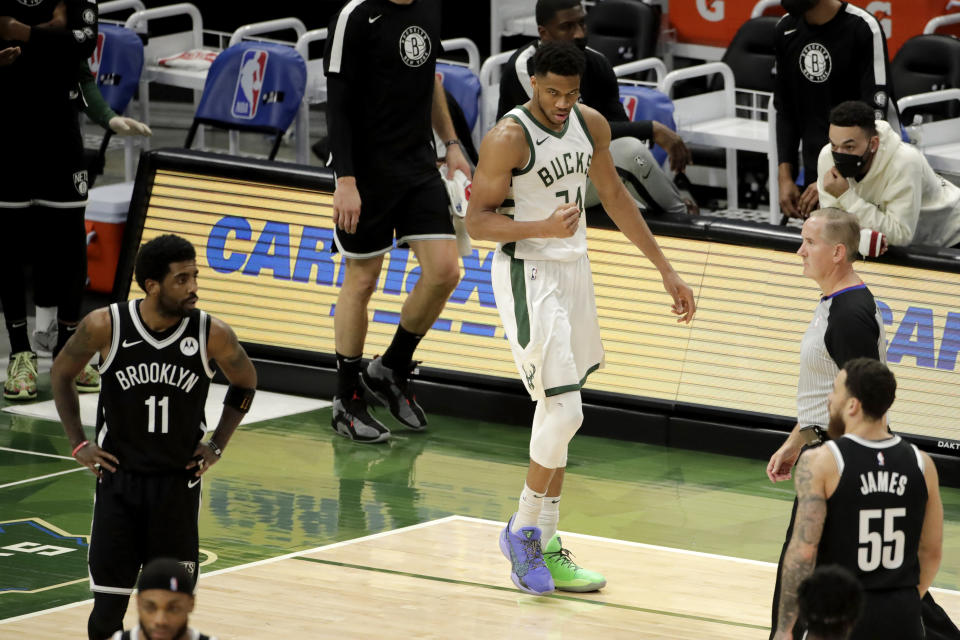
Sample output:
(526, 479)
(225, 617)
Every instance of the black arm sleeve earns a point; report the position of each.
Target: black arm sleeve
(876, 88)
(338, 126)
(788, 131)
(851, 333)
(642, 129)
(71, 44)
(512, 91)
(345, 51)
(606, 99)
(607, 91)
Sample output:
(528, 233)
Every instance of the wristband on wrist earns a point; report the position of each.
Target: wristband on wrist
(78, 447)
(239, 398)
(217, 451)
(450, 143)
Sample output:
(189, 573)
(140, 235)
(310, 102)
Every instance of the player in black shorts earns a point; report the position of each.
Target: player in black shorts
(383, 97)
(43, 180)
(164, 603)
(147, 454)
(869, 502)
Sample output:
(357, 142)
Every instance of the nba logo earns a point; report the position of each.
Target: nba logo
(880, 459)
(246, 97)
(97, 55)
(630, 104)
(440, 76)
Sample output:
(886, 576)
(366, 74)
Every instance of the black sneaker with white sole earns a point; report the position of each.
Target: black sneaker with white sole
(394, 391)
(353, 421)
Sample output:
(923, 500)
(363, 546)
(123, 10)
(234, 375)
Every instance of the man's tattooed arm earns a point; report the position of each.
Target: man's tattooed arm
(801, 556)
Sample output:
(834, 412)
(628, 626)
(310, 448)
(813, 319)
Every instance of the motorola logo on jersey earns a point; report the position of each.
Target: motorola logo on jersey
(189, 346)
(246, 97)
(815, 63)
(711, 10)
(414, 46)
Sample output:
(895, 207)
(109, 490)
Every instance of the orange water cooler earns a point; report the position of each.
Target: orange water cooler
(106, 218)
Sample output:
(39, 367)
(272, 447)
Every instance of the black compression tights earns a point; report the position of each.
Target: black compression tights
(107, 615)
(60, 270)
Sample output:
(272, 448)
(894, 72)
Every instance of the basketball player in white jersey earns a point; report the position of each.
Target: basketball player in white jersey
(536, 160)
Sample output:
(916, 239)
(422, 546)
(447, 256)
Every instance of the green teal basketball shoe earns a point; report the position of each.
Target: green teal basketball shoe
(567, 574)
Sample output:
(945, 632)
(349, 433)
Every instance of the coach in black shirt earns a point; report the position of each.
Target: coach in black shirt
(828, 51)
(564, 20)
(383, 96)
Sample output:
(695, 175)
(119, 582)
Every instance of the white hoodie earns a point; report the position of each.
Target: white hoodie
(900, 196)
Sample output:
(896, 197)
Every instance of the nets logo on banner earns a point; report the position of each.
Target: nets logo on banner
(97, 54)
(246, 97)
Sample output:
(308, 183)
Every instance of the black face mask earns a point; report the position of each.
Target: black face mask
(581, 43)
(797, 7)
(850, 165)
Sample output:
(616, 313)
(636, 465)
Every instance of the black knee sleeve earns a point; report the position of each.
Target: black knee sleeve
(107, 615)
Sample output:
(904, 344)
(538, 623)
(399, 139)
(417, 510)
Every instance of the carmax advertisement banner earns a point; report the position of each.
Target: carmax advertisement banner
(266, 268)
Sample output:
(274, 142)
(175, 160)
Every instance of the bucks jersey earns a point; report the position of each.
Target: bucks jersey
(875, 516)
(556, 173)
(153, 391)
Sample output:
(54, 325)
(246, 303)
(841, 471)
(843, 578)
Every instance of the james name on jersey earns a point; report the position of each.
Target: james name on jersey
(563, 165)
(156, 373)
(883, 482)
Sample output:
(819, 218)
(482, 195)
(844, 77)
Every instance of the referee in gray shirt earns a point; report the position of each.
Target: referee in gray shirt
(846, 325)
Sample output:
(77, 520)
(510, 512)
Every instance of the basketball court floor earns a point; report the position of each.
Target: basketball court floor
(304, 534)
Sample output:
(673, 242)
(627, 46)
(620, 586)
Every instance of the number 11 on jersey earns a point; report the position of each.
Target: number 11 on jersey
(164, 406)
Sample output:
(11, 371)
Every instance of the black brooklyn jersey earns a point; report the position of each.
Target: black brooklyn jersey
(386, 55)
(820, 66)
(875, 516)
(153, 391)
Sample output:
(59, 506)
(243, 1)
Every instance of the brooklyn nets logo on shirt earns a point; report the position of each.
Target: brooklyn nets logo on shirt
(815, 62)
(80, 182)
(414, 46)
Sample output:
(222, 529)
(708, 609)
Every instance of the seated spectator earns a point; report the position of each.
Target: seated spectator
(888, 184)
(564, 20)
(830, 601)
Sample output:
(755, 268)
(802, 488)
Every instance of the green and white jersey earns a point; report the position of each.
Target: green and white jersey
(555, 173)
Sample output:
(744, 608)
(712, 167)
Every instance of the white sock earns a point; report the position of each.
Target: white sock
(45, 317)
(549, 518)
(529, 509)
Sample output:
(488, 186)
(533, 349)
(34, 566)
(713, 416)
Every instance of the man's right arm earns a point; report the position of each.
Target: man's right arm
(801, 556)
(930, 550)
(341, 64)
(503, 150)
(788, 131)
(92, 335)
(784, 101)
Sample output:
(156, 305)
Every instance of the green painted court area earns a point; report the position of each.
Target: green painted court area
(289, 484)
